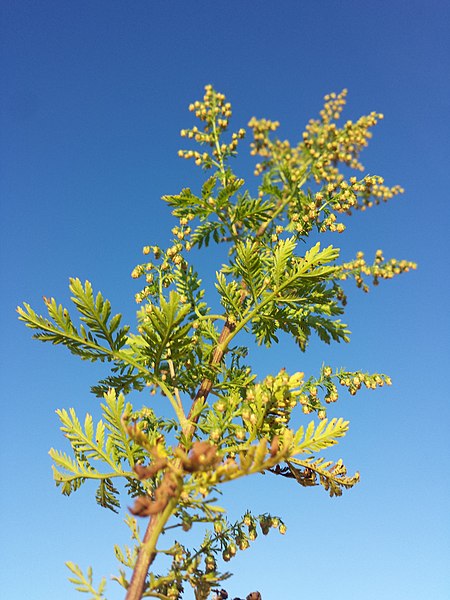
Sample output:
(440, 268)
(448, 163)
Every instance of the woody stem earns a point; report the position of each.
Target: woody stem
(147, 550)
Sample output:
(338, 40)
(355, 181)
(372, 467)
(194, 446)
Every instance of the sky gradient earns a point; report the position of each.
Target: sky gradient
(94, 96)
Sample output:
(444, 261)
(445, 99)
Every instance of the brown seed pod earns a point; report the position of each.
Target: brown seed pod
(150, 471)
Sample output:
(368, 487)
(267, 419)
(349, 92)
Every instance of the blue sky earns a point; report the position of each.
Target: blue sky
(94, 95)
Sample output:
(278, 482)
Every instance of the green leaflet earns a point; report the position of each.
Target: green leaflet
(60, 329)
(216, 214)
(248, 267)
(251, 212)
(316, 438)
(230, 294)
(281, 255)
(84, 583)
(163, 332)
(106, 443)
(295, 297)
(96, 314)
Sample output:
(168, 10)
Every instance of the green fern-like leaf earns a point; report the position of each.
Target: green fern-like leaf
(107, 495)
(60, 328)
(96, 312)
(84, 583)
(230, 295)
(119, 444)
(164, 332)
(281, 255)
(319, 437)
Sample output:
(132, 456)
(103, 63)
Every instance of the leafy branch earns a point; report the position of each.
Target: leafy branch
(227, 422)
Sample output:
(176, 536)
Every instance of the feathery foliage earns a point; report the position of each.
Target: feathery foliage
(225, 422)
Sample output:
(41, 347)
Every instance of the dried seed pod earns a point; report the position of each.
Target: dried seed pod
(150, 471)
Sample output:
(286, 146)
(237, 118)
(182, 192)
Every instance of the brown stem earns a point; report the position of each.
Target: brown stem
(145, 556)
(143, 562)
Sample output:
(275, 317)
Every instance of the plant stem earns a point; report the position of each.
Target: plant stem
(147, 550)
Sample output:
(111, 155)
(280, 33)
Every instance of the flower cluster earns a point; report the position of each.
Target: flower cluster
(380, 269)
(323, 150)
(325, 145)
(215, 113)
(170, 263)
(324, 387)
(268, 405)
(245, 532)
(274, 152)
(261, 129)
(200, 567)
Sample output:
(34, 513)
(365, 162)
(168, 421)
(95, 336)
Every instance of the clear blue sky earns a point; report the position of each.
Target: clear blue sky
(93, 97)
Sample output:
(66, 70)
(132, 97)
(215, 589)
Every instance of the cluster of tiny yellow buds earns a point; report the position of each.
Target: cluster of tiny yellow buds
(309, 398)
(354, 381)
(261, 129)
(194, 133)
(242, 542)
(138, 271)
(277, 395)
(249, 521)
(332, 395)
(372, 191)
(199, 158)
(173, 250)
(328, 145)
(358, 268)
(334, 104)
(329, 224)
(309, 215)
(319, 198)
(215, 113)
(211, 107)
(181, 232)
(259, 168)
(214, 435)
(220, 406)
(240, 434)
(210, 563)
(141, 296)
(152, 249)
